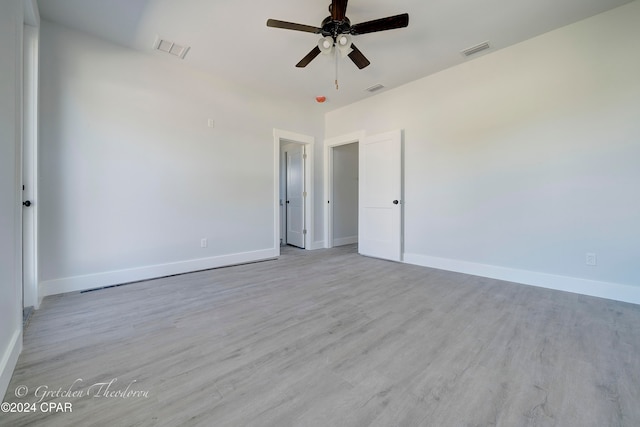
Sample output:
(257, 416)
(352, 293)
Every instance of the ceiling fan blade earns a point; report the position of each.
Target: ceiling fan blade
(338, 9)
(310, 57)
(293, 26)
(382, 24)
(358, 58)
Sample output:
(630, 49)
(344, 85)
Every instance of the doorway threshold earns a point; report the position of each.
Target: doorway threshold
(27, 313)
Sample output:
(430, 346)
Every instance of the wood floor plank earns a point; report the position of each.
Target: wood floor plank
(330, 338)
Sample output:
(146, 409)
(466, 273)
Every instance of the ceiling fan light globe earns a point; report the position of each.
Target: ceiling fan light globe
(344, 45)
(326, 45)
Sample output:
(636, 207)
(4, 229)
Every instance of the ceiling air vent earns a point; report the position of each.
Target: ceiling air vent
(475, 49)
(375, 88)
(171, 48)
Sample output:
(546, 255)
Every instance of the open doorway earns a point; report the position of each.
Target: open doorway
(345, 194)
(342, 189)
(294, 184)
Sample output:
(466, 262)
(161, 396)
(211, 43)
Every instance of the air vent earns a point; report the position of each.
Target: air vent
(475, 49)
(171, 48)
(375, 88)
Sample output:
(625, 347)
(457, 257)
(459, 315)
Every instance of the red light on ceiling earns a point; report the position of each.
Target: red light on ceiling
(321, 99)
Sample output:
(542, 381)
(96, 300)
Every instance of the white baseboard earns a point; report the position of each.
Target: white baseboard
(9, 361)
(345, 240)
(319, 244)
(110, 278)
(612, 291)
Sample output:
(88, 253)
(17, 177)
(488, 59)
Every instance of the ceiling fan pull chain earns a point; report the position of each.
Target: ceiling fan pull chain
(337, 54)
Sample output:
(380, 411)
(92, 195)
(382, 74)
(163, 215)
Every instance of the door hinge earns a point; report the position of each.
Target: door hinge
(304, 231)
(304, 156)
(304, 194)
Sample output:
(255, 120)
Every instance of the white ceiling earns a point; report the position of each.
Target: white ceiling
(230, 38)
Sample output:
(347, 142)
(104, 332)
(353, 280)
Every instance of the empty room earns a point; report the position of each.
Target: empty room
(319, 213)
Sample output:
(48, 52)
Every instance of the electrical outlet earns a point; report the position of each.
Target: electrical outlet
(203, 242)
(211, 123)
(591, 259)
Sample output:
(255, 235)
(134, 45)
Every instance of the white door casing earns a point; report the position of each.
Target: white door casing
(280, 138)
(295, 195)
(380, 211)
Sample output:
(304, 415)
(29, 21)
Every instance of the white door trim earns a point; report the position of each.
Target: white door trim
(286, 136)
(329, 145)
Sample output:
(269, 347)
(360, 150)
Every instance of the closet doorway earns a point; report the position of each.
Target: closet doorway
(342, 190)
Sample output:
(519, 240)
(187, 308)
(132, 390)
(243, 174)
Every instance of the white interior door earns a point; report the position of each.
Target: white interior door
(295, 196)
(29, 167)
(380, 210)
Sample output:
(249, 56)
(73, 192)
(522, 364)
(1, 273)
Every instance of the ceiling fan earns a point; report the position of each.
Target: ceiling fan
(336, 31)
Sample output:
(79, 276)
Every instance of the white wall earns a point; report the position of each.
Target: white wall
(11, 19)
(345, 194)
(520, 162)
(131, 177)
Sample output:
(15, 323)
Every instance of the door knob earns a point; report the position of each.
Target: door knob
(395, 202)
(27, 203)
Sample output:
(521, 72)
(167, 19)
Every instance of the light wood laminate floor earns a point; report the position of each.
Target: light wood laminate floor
(330, 338)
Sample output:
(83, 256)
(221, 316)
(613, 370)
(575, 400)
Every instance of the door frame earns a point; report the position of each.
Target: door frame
(283, 136)
(31, 36)
(329, 145)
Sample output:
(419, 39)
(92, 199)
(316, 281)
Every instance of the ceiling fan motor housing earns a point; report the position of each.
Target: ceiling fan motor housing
(333, 28)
